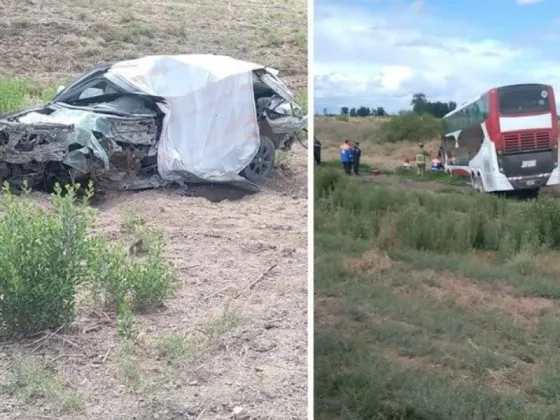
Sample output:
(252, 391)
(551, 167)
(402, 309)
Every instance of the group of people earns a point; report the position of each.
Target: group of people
(436, 163)
(350, 155)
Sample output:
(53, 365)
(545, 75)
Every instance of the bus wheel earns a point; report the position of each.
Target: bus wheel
(477, 183)
(531, 194)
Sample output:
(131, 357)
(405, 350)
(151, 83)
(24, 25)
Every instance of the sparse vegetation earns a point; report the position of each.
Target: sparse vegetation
(174, 348)
(47, 254)
(32, 381)
(409, 127)
(129, 29)
(229, 318)
(434, 305)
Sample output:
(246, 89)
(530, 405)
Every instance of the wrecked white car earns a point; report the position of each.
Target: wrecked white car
(148, 122)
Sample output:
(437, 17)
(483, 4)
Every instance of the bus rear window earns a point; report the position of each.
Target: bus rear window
(523, 99)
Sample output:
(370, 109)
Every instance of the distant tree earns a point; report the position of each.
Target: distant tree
(363, 112)
(325, 112)
(353, 112)
(344, 110)
(421, 105)
(419, 102)
(380, 112)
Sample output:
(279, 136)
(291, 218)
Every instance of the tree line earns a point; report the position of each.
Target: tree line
(362, 111)
(420, 105)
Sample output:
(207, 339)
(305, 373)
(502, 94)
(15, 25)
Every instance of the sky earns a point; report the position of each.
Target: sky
(379, 52)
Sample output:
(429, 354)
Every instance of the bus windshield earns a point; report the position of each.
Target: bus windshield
(523, 99)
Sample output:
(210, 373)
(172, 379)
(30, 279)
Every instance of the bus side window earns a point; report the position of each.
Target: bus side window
(469, 115)
(476, 113)
(484, 107)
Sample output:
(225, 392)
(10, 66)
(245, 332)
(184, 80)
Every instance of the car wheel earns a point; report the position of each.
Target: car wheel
(262, 164)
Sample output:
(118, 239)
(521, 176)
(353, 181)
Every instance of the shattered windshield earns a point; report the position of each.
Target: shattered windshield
(97, 87)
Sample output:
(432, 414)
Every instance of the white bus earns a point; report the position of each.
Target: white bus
(505, 140)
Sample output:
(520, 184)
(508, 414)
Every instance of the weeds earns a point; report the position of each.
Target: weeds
(32, 381)
(437, 306)
(130, 371)
(42, 254)
(46, 253)
(409, 127)
(174, 348)
(228, 319)
(444, 223)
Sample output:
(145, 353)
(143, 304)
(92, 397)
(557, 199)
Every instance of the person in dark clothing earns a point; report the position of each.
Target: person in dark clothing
(317, 151)
(357, 154)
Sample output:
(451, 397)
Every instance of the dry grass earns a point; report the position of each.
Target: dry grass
(52, 40)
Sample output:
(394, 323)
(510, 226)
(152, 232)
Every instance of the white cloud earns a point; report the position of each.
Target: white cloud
(381, 59)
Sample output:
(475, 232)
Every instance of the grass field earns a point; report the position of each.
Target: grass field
(434, 305)
(231, 341)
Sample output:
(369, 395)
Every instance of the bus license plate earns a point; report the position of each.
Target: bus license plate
(532, 182)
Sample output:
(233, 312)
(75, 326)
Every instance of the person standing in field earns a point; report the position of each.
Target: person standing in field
(346, 157)
(317, 151)
(421, 159)
(356, 155)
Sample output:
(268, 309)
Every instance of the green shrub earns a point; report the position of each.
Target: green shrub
(409, 127)
(325, 180)
(119, 276)
(41, 260)
(46, 253)
(444, 223)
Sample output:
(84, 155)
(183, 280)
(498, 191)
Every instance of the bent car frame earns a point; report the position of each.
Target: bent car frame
(155, 120)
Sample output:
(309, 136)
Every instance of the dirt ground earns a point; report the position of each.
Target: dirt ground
(232, 343)
(220, 344)
(53, 40)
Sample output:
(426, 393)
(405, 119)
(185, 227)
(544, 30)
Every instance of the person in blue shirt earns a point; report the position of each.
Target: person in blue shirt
(346, 157)
(436, 165)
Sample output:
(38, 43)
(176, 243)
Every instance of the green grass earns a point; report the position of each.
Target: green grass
(440, 177)
(434, 306)
(18, 92)
(365, 169)
(336, 165)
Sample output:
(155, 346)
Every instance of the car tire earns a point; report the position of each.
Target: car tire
(262, 164)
